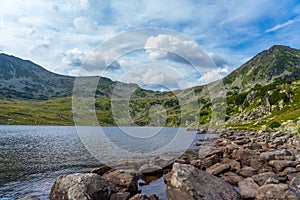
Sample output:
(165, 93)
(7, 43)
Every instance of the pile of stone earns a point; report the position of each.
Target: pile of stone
(236, 165)
(247, 165)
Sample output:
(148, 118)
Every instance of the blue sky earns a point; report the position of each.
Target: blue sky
(58, 35)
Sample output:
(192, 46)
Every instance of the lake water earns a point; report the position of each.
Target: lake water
(31, 157)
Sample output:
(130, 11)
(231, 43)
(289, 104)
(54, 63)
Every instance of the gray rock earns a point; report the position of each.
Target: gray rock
(232, 178)
(275, 191)
(234, 165)
(295, 185)
(267, 156)
(80, 186)
(187, 182)
(279, 165)
(100, 170)
(120, 196)
(123, 180)
(263, 177)
(247, 172)
(151, 170)
(248, 188)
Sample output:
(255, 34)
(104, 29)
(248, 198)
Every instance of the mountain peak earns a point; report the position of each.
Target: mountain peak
(275, 64)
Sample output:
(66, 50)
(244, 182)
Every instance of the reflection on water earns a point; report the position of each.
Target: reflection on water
(32, 157)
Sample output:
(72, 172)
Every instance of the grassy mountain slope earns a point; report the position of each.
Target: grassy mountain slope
(262, 94)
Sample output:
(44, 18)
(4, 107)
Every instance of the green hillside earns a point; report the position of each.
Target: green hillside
(262, 94)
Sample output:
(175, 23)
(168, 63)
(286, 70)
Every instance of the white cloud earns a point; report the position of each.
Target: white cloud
(213, 75)
(46, 32)
(74, 57)
(155, 76)
(279, 26)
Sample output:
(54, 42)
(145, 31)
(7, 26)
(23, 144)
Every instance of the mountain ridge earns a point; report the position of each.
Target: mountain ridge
(262, 94)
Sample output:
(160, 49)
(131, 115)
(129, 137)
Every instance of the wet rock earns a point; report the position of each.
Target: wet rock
(151, 170)
(248, 188)
(275, 191)
(123, 180)
(187, 182)
(279, 165)
(79, 186)
(247, 172)
(263, 177)
(120, 196)
(298, 168)
(217, 168)
(232, 178)
(163, 161)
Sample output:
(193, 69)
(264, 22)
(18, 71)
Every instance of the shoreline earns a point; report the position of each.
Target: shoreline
(242, 162)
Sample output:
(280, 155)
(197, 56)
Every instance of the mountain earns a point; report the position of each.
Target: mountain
(23, 79)
(277, 64)
(263, 94)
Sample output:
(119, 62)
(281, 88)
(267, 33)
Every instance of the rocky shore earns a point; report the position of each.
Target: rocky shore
(235, 165)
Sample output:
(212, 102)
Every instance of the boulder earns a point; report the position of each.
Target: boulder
(123, 180)
(120, 196)
(187, 182)
(79, 186)
(248, 188)
(261, 179)
(275, 191)
(247, 172)
(163, 161)
(148, 169)
(295, 185)
(288, 170)
(100, 170)
(279, 165)
(217, 168)
(244, 156)
(234, 165)
(271, 155)
(231, 178)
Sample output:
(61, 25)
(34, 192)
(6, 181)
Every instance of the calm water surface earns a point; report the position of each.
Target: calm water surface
(31, 157)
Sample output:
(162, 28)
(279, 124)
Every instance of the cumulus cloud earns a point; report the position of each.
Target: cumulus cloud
(213, 75)
(74, 57)
(155, 76)
(164, 46)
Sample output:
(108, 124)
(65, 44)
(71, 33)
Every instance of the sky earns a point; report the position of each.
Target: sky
(66, 37)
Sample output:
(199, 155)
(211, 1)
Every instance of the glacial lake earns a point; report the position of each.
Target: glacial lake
(31, 157)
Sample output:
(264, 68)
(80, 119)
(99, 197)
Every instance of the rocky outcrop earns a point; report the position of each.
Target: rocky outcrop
(188, 182)
(88, 186)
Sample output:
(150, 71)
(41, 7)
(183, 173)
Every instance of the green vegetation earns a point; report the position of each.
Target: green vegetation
(263, 94)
